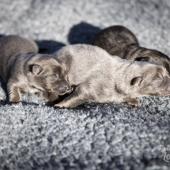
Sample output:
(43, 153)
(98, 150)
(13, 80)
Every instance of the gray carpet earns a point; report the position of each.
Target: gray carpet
(103, 137)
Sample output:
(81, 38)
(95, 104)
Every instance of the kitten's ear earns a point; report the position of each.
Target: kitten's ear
(65, 62)
(136, 81)
(35, 69)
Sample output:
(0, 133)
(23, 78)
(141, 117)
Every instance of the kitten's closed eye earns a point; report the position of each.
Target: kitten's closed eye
(142, 59)
(36, 89)
(54, 76)
(38, 94)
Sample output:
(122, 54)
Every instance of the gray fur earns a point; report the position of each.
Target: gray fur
(120, 41)
(115, 40)
(137, 53)
(95, 136)
(101, 78)
(10, 48)
(23, 70)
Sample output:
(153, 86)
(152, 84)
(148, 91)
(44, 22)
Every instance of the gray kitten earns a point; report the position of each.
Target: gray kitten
(115, 40)
(120, 41)
(23, 70)
(99, 77)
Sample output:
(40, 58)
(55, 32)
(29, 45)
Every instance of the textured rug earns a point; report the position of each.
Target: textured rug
(91, 137)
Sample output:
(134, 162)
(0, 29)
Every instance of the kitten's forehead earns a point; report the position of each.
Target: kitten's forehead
(140, 69)
(46, 59)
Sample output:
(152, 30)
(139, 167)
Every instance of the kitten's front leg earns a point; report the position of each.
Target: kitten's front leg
(14, 92)
(132, 101)
(75, 99)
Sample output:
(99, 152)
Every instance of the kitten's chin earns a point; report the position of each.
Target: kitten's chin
(54, 100)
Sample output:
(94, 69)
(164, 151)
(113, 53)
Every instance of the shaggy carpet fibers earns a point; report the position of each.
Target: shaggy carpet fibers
(103, 137)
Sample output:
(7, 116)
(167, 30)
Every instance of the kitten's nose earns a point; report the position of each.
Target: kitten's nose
(165, 87)
(64, 89)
